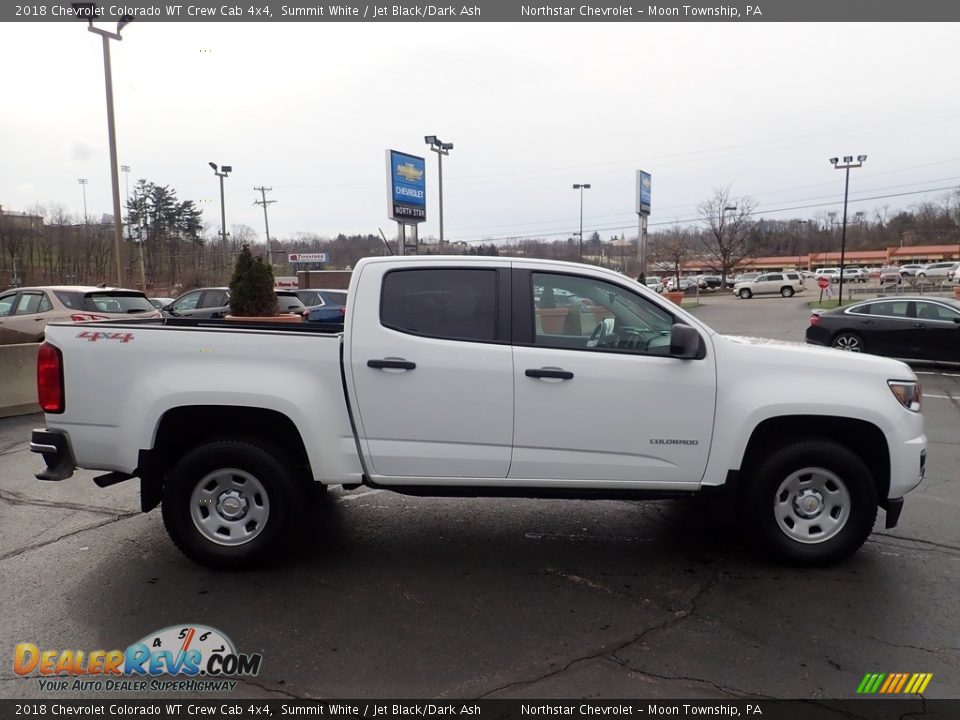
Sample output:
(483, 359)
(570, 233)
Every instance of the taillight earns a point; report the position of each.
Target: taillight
(814, 319)
(84, 317)
(50, 378)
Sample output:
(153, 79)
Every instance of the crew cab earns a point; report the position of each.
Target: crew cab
(479, 377)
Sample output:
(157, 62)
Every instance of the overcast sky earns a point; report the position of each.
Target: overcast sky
(308, 109)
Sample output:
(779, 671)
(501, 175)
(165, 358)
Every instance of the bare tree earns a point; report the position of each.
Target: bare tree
(670, 249)
(729, 236)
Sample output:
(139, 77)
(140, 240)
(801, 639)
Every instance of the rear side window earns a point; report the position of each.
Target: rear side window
(334, 298)
(457, 304)
(214, 299)
(116, 302)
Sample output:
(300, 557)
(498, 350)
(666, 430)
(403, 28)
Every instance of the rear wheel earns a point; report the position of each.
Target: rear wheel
(813, 502)
(848, 341)
(786, 291)
(746, 294)
(230, 504)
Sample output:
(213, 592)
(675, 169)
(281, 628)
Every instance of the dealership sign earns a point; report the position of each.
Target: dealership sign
(643, 192)
(406, 187)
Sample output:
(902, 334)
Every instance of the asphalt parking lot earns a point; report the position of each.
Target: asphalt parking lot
(391, 596)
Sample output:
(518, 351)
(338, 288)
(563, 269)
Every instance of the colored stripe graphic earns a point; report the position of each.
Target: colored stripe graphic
(894, 683)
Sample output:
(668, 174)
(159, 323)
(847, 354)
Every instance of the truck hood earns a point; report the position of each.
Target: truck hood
(814, 357)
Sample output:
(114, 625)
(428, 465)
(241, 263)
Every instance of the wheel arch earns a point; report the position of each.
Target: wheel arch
(865, 439)
(183, 428)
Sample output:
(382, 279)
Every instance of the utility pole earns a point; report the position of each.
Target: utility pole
(263, 194)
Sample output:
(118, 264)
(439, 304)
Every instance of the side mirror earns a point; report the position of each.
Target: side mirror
(168, 308)
(684, 342)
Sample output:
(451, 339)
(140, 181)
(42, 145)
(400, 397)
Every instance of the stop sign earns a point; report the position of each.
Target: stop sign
(823, 282)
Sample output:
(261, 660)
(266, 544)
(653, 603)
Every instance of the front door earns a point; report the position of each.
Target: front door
(598, 398)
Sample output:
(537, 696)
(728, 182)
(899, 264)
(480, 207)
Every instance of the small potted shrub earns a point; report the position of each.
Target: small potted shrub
(252, 290)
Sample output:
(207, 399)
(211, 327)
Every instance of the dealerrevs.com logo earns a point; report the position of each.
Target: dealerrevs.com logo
(188, 651)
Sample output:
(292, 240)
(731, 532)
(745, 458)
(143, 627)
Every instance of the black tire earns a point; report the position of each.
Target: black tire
(745, 294)
(786, 291)
(279, 499)
(849, 341)
(772, 507)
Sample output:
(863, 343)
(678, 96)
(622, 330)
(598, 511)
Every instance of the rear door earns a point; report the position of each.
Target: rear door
(937, 332)
(7, 303)
(430, 370)
(29, 318)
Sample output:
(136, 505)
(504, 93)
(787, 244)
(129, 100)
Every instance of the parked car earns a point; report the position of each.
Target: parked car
(954, 275)
(937, 271)
(709, 281)
(832, 274)
(853, 273)
(160, 302)
(318, 297)
(744, 277)
(686, 284)
(778, 283)
(890, 274)
(912, 328)
(25, 312)
(909, 270)
(655, 283)
(214, 302)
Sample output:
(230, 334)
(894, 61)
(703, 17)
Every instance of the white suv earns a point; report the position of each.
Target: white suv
(937, 270)
(775, 283)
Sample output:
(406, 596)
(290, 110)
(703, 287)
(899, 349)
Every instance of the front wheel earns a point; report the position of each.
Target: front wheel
(786, 292)
(813, 502)
(745, 294)
(230, 504)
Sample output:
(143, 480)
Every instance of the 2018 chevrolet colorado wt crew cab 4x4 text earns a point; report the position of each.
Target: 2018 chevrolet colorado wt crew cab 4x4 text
(460, 376)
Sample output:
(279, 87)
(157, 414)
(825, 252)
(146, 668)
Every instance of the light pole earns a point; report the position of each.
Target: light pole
(441, 148)
(847, 164)
(83, 185)
(222, 173)
(581, 187)
(87, 11)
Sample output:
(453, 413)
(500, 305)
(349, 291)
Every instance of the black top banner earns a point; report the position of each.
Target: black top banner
(490, 11)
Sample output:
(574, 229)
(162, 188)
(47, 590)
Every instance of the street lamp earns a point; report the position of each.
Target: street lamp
(87, 11)
(846, 165)
(222, 173)
(83, 185)
(581, 187)
(441, 148)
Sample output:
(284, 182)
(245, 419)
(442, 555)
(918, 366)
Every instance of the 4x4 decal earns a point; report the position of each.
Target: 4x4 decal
(94, 335)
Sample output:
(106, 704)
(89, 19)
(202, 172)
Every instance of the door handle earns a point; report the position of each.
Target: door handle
(549, 373)
(920, 325)
(391, 364)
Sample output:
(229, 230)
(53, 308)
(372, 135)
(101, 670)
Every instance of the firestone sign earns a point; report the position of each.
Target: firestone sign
(307, 257)
(406, 187)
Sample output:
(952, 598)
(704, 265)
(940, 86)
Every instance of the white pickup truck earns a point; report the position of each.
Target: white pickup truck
(479, 376)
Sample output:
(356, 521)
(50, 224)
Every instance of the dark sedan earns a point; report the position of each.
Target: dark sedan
(911, 328)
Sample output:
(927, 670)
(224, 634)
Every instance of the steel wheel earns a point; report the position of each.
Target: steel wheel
(812, 505)
(229, 507)
(849, 342)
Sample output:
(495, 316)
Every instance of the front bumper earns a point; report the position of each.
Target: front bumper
(54, 446)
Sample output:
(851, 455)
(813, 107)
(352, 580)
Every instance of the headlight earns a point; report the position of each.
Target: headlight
(908, 393)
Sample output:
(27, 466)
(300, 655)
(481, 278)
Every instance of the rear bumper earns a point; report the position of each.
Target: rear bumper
(54, 446)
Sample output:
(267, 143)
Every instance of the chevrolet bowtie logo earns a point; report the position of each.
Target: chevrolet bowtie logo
(409, 173)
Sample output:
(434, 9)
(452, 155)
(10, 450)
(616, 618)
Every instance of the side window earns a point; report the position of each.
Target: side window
(934, 311)
(793, 276)
(6, 304)
(213, 299)
(29, 303)
(582, 313)
(70, 299)
(457, 304)
(187, 302)
(45, 304)
(890, 308)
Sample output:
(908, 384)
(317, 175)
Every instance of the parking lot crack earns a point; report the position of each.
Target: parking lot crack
(34, 546)
(691, 596)
(13, 498)
(726, 689)
(934, 651)
(952, 550)
(272, 689)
